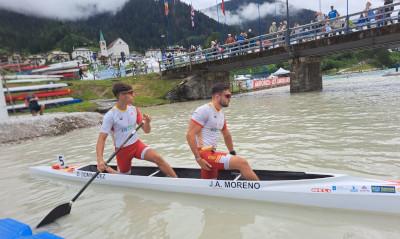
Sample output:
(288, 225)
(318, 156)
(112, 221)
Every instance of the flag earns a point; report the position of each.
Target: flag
(166, 7)
(192, 15)
(223, 7)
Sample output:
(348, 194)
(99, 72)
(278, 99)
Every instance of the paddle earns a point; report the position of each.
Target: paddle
(65, 209)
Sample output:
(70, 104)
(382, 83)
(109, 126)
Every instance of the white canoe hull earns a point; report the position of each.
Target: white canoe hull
(338, 191)
(35, 87)
(22, 77)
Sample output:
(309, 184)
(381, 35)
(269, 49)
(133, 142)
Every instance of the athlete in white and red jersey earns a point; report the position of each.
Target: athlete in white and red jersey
(207, 122)
(120, 121)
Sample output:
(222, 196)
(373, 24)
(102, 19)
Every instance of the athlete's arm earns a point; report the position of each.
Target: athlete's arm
(227, 138)
(193, 130)
(101, 140)
(146, 123)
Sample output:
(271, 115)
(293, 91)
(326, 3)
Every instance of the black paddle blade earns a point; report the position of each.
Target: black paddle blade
(59, 211)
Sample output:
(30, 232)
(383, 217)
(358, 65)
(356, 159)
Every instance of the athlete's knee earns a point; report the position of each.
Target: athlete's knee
(240, 163)
(156, 158)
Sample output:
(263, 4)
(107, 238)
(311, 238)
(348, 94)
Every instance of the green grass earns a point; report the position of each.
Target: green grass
(150, 90)
(85, 106)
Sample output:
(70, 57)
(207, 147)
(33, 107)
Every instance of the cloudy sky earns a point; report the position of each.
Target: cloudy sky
(73, 9)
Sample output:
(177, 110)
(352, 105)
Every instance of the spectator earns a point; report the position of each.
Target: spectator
(328, 29)
(32, 102)
(379, 16)
(361, 21)
(80, 72)
(333, 13)
(240, 39)
(320, 19)
(369, 13)
(230, 39)
(272, 28)
(388, 11)
(251, 35)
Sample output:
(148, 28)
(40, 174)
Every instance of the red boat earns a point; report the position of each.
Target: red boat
(41, 94)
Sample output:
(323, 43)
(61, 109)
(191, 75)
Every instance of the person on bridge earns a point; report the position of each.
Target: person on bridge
(333, 13)
(388, 11)
(205, 125)
(229, 39)
(272, 29)
(120, 121)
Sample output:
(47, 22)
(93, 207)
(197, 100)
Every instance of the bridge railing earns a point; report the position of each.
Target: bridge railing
(376, 17)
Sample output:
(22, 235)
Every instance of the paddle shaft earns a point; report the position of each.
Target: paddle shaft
(108, 161)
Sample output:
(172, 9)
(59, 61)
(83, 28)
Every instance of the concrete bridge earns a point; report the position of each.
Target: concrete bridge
(303, 49)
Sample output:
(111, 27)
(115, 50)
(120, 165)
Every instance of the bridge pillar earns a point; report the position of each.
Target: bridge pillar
(306, 74)
(197, 85)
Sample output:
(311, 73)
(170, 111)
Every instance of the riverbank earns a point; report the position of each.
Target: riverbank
(26, 127)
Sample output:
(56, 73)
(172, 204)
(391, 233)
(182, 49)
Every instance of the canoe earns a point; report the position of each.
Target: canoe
(24, 77)
(48, 103)
(34, 87)
(58, 66)
(40, 95)
(35, 80)
(337, 191)
(60, 72)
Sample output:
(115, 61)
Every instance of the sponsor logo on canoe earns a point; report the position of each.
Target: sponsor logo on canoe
(354, 189)
(365, 189)
(235, 184)
(321, 190)
(84, 174)
(383, 189)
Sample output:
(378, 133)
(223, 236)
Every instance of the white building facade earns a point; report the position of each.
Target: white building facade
(154, 53)
(82, 54)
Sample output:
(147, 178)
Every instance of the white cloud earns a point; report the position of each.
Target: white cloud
(247, 12)
(63, 9)
(250, 11)
(73, 9)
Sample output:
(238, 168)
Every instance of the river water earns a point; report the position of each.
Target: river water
(352, 127)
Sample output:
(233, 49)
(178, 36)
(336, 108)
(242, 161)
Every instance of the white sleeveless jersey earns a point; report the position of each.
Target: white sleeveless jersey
(120, 124)
(211, 121)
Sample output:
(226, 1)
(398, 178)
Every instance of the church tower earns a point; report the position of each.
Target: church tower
(103, 45)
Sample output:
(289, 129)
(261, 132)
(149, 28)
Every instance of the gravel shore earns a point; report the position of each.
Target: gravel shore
(19, 128)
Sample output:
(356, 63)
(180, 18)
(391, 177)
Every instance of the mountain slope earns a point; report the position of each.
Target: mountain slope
(140, 23)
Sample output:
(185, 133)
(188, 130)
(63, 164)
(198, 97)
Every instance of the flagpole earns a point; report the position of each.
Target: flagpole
(320, 6)
(216, 2)
(259, 18)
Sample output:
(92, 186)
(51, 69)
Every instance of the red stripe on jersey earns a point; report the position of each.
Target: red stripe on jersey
(194, 121)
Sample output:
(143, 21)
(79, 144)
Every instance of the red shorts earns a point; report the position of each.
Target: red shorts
(126, 154)
(218, 161)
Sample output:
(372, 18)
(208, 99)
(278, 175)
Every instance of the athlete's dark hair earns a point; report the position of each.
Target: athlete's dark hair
(219, 88)
(120, 87)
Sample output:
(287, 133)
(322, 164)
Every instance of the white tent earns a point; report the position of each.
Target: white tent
(242, 77)
(281, 71)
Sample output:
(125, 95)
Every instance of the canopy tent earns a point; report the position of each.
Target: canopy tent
(242, 77)
(281, 71)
